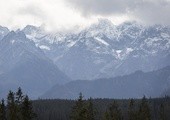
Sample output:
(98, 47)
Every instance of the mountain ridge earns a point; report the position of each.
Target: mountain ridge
(22, 64)
(106, 49)
(135, 85)
(102, 50)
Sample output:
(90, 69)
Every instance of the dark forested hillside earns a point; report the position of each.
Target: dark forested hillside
(154, 84)
(56, 109)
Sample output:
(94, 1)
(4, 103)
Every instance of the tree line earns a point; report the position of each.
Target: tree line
(84, 110)
(103, 109)
(19, 107)
(16, 107)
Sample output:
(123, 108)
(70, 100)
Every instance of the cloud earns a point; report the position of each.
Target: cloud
(32, 10)
(99, 7)
(54, 14)
(66, 14)
(147, 11)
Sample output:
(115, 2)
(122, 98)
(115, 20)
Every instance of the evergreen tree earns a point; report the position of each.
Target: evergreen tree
(131, 110)
(107, 116)
(19, 96)
(113, 113)
(11, 105)
(162, 112)
(18, 100)
(27, 109)
(90, 110)
(79, 111)
(2, 111)
(18, 107)
(144, 110)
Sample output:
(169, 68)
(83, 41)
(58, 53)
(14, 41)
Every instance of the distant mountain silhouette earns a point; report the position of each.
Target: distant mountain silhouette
(136, 85)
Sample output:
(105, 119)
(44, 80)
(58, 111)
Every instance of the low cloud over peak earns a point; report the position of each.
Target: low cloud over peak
(146, 11)
(66, 14)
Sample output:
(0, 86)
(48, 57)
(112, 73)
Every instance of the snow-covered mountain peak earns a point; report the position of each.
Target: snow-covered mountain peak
(18, 36)
(9, 35)
(104, 22)
(3, 31)
(103, 28)
(16, 44)
(30, 28)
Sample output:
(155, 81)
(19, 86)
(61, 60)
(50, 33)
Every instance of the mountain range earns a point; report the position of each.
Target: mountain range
(104, 50)
(38, 60)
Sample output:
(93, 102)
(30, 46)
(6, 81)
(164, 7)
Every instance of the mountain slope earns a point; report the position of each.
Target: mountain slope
(104, 50)
(135, 85)
(22, 64)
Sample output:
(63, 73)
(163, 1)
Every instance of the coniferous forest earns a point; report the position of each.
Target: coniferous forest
(103, 109)
(18, 106)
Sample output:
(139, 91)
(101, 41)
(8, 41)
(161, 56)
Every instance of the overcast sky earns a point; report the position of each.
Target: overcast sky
(57, 14)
